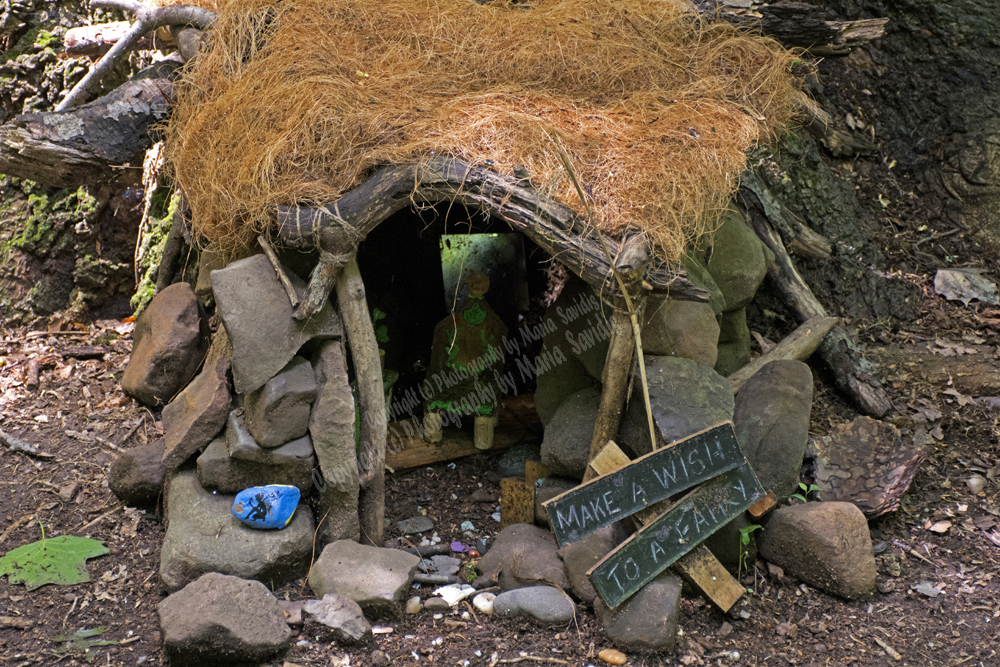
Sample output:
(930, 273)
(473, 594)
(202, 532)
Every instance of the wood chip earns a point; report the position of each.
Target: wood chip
(888, 649)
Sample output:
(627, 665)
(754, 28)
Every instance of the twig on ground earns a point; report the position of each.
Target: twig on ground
(18, 445)
(538, 658)
(14, 526)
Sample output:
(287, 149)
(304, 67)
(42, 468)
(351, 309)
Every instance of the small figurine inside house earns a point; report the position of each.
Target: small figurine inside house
(466, 357)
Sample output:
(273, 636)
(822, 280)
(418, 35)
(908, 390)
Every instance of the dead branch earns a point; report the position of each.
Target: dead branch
(146, 19)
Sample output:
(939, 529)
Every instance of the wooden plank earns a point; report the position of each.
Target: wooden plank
(517, 502)
(800, 344)
(406, 449)
(635, 562)
(534, 471)
(700, 566)
(643, 482)
(703, 569)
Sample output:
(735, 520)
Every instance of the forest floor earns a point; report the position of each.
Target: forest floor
(79, 417)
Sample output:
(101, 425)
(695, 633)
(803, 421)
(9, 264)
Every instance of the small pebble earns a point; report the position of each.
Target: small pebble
(436, 604)
(612, 656)
(413, 605)
(473, 553)
(484, 603)
(438, 617)
(379, 658)
(725, 629)
(466, 615)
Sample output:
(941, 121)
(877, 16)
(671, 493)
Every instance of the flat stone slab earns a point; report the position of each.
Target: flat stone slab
(377, 579)
(204, 536)
(415, 525)
(222, 620)
(522, 554)
(197, 414)
(258, 317)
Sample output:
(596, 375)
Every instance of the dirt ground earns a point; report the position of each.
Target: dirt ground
(78, 415)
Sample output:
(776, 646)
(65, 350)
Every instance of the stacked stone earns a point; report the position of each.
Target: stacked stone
(270, 405)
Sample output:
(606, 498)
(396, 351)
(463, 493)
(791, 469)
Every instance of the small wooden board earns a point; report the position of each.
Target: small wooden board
(643, 482)
(517, 502)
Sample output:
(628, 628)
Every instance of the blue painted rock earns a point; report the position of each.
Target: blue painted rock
(270, 506)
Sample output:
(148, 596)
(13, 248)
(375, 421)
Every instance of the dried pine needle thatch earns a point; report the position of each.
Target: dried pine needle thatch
(296, 101)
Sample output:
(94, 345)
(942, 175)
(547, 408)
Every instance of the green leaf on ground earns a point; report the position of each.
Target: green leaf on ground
(56, 560)
(81, 642)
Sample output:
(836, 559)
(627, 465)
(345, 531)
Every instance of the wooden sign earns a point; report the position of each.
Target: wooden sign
(643, 482)
(674, 533)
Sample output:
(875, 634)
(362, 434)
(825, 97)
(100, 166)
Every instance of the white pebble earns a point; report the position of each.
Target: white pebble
(438, 617)
(438, 641)
(413, 605)
(484, 603)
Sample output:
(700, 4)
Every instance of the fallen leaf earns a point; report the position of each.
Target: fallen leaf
(928, 589)
(965, 285)
(940, 527)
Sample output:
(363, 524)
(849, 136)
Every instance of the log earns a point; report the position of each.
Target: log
(820, 124)
(854, 375)
(337, 229)
(799, 345)
(797, 25)
(67, 149)
(368, 374)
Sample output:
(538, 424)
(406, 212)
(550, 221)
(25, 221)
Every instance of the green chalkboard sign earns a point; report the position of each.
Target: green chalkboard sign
(674, 533)
(647, 480)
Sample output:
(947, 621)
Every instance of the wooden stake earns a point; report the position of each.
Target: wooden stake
(368, 373)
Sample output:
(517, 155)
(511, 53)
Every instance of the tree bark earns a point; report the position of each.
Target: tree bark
(96, 40)
(92, 143)
(337, 229)
(797, 24)
(368, 374)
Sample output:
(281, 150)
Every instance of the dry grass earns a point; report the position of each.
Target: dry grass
(296, 101)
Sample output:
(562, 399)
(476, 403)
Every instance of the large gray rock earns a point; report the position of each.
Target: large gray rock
(530, 551)
(734, 342)
(204, 536)
(686, 397)
(137, 475)
(739, 260)
(681, 329)
(222, 620)
(278, 412)
(547, 605)
(647, 621)
(331, 425)
(547, 490)
(377, 579)
(566, 443)
(170, 340)
(292, 463)
(512, 462)
(197, 414)
(335, 618)
(578, 557)
(772, 423)
(258, 316)
(826, 545)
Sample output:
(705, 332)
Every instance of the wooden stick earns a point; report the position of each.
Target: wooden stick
(799, 344)
(854, 375)
(616, 374)
(368, 374)
(282, 276)
(18, 445)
